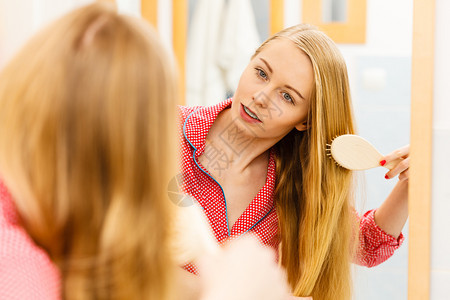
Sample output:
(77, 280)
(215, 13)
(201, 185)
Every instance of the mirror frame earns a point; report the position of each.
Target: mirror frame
(420, 181)
(149, 11)
(353, 31)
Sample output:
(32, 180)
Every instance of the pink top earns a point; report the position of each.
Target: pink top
(260, 217)
(26, 271)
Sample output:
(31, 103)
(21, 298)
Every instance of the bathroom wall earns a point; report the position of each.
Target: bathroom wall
(19, 19)
(440, 221)
(15, 25)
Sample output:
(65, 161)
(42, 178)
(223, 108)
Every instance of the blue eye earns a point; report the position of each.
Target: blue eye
(287, 97)
(261, 73)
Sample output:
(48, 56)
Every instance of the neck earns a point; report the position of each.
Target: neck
(239, 147)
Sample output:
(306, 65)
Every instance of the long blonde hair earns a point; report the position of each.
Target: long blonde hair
(314, 197)
(86, 127)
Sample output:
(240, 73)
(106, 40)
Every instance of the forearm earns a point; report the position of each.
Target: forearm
(391, 216)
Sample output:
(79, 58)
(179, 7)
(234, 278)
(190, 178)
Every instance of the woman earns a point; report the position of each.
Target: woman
(257, 163)
(86, 120)
(85, 152)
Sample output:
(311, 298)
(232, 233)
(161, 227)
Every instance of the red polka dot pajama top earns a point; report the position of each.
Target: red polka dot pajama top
(260, 217)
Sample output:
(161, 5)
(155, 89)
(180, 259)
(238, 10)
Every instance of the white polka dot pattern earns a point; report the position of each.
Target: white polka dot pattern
(26, 271)
(260, 217)
(376, 246)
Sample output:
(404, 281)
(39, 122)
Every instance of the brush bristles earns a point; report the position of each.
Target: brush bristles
(330, 155)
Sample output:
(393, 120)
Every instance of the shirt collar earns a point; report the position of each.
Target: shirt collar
(197, 124)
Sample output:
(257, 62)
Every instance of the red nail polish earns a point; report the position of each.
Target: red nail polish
(385, 176)
(383, 162)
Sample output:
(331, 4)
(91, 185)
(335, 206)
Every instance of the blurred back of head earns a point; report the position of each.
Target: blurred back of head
(86, 127)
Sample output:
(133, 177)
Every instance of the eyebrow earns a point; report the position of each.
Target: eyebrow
(267, 65)
(298, 93)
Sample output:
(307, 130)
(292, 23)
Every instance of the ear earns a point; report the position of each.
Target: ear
(302, 126)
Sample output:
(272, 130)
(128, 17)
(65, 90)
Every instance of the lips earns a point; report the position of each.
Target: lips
(249, 115)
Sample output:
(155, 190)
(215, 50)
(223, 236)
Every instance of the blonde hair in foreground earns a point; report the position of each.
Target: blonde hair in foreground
(313, 195)
(86, 123)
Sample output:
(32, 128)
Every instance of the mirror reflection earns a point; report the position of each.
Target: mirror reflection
(379, 73)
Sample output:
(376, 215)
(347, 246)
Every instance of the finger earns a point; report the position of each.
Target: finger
(399, 168)
(404, 175)
(399, 153)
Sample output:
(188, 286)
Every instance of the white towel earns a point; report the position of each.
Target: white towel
(222, 37)
(204, 80)
(239, 41)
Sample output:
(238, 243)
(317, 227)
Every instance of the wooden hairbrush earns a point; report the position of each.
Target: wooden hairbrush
(355, 153)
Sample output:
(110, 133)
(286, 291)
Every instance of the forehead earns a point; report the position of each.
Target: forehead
(289, 63)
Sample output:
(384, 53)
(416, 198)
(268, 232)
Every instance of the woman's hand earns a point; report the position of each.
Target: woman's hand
(402, 167)
(393, 213)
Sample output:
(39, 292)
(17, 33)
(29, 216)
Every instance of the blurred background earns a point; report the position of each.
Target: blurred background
(213, 40)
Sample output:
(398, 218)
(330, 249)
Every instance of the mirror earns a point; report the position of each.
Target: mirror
(380, 78)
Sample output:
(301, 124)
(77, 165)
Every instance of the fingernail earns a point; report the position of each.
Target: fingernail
(383, 162)
(385, 176)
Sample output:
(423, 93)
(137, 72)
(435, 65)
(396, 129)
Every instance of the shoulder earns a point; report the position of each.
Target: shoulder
(195, 122)
(204, 112)
(26, 270)
(185, 111)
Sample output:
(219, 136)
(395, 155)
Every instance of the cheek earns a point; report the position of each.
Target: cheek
(290, 117)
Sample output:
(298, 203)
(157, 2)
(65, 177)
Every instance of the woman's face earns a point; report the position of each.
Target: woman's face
(274, 91)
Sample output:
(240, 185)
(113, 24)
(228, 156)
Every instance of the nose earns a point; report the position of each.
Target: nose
(261, 97)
